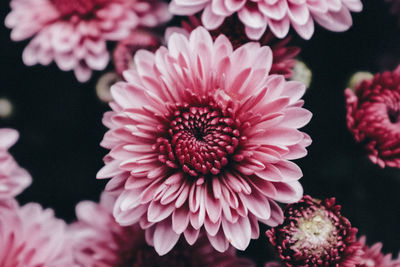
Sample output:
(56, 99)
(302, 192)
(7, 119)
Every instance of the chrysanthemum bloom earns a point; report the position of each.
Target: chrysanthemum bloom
(99, 241)
(201, 138)
(32, 237)
(314, 233)
(277, 15)
(73, 33)
(283, 55)
(125, 49)
(373, 257)
(13, 179)
(373, 117)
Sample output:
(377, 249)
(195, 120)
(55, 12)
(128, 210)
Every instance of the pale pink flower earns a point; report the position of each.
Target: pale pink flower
(201, 140)
(99, 241)
(32, 237)
(373, 256)
(278, 15)
(13, 179)
(73, 33)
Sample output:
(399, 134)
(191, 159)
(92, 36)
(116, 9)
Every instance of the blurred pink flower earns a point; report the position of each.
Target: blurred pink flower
(126, 48)
(278, 15)
(32, 237)
(13, 179)
(282, 54)
(202, 139)
(99, 241)
(314, 233)
(73, 33)
(373, 117)
(373, 256)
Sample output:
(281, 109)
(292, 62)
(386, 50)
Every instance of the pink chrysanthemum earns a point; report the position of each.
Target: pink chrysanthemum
(278, 15)
(73, 33)
(314, 233)
(201, 138)
(373, 117)
(13, 179)
(283, 55)
(373, 257)
(32, 237)
(99, 241)
(125, 49)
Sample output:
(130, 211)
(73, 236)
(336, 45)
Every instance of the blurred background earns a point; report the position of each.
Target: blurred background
(59, 121)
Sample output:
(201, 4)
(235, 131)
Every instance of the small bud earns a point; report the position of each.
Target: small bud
(302, 73)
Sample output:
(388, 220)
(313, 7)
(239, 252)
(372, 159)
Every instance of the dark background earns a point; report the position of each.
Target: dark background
(59, 121)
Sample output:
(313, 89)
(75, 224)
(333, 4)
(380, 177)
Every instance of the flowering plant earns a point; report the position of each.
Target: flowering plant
(223, 139)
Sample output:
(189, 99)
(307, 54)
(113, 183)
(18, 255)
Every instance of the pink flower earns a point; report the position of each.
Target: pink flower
(13, 179)
(373, 117)
(73, 33)
(125, 49)
(283, 55)
(99, 241)
(32, 237)
(201, 139)
(278, 15)
(373, 257)
(314, 233)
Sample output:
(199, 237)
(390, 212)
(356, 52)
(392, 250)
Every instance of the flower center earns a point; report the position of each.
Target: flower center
(200, 140)
(314, 233)
(393, 114)
(77, 7)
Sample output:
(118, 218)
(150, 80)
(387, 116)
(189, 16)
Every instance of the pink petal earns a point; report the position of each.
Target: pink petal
(219, 241)
(191, 235)
(180, 220)
(211, 20)
(256, 204)
(157, 212)
(8, 137)
(280, 28)
(238, 233)
(164, 238)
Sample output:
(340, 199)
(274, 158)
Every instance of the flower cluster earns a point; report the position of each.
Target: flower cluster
(202, 135)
